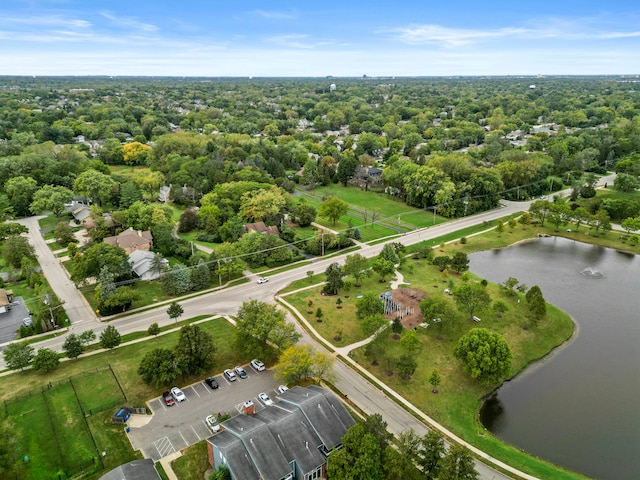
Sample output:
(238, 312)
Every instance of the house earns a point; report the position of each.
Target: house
(80, 213)
(135, 470)
(163, 194)
(366, 177)
(6, 297)
(260, 227)
(141, 262)
(131, 240)
(288, 440)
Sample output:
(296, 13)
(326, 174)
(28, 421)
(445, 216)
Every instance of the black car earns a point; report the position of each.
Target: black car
(212, 382)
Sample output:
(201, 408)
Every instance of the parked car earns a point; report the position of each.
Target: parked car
(264, 398)
(257, 364)
(282, 388)
(212, 423)
(242, 373)
(27, 322)
(178, 394)
(263, 280)
(230, 375)
(168, 399)
(212, 382)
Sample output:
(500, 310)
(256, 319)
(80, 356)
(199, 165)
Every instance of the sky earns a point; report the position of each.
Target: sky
(316, 39)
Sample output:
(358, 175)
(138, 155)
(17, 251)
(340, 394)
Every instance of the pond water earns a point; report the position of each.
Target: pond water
(579, 407)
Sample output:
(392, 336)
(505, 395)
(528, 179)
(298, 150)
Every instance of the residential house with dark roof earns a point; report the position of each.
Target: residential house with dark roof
(131, 240)
(288, 440)
(141, 262)
(135, 470)
(260, 227)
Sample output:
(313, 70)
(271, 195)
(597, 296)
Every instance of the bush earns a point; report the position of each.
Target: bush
(463, 240)
(208, 237)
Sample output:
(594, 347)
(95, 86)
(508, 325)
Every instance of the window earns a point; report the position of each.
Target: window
(314, 474)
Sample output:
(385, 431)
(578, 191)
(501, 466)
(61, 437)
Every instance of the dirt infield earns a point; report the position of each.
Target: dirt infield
(408, 297)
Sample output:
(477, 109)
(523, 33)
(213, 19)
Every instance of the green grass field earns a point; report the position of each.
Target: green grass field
(97, 390)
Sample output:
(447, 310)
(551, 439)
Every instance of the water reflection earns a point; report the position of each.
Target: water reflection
(577, 408)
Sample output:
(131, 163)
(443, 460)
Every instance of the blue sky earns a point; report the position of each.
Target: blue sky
(349, 38)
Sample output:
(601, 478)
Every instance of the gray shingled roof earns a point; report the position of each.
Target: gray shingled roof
(295, 437)
(236, 456)
(136, 470)
(323, 416)
(261, 446)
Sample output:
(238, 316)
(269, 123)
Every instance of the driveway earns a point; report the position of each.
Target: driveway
(11, 321)
(174, 428)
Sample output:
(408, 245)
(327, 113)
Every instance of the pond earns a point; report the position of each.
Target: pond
(578, 407)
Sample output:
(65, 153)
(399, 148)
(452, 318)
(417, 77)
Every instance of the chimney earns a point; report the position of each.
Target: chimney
(248, 408)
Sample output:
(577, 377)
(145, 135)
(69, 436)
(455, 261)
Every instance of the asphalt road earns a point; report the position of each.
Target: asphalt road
(369, 398)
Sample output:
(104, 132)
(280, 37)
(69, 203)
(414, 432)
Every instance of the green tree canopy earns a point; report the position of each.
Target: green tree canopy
(158, 367)
(195, 350)
(110, 337)
(485, 355)
(18, 355)
(471, 298)
(333, 208)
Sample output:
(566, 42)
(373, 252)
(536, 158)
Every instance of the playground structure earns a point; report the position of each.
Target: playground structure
(403, 303)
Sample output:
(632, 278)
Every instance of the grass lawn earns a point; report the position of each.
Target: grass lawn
(97, 390)
(384, 205)
(193, 463)
(457, 404)
(50, 222)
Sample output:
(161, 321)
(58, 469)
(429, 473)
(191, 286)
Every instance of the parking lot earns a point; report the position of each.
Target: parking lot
(183, 424)
(10, 321)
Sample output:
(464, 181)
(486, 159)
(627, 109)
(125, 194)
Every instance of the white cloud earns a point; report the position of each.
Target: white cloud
(130, 22)
(46, 21)
(273, 15)
(296, 40)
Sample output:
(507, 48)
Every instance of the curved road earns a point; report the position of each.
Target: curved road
(226, 302)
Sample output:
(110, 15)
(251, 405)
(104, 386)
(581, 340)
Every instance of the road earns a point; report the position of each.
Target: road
(226, 302)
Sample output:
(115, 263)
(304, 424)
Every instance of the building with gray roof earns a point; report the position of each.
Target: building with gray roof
(288, 440)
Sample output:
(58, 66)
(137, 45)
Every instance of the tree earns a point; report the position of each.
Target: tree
(153, 329)
(51, 198)
(110, 337)
(625, 183)
(310, 175)
(346, 169)
(63, 234)
(87, 337)
(383, 268)
(471, 298)
(431, 454)
(390, 253)
(485, 355)
(372, 324)
(319, 314)
(303, 213)
(158, 367)
(442, 262)
(73, 346)
(410, 342)
(20, 191)
(122, 299)
(200, 276)
(334, 278)
(18, 355)
(369, 304)
(189, 220)
(434, 380)
(15, 248)
(396, 326)
(500, 227)
(406, 365)
(460, 262)
(95, 185)
(437, 310)
(375, 349)
(221, 473)
(457, 464)
(333, 208)
(90, 264)
(601, 222)
(300, 362)
(559, 214)
(175, 311)
(510, 285)
(401, 464)
(536, 302)
(580, 216)
(177, 280)
(259, 323)
(45, 360)
(540, 209)
(357, 266)
(631, 224)
(359, 459)
(195, 350)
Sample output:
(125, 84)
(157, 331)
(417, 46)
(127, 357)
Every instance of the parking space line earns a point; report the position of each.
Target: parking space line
(194, 431)
(185, 442)
(195, 391)
(164, 446)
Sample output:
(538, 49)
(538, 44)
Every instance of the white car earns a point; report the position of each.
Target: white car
(178, 394)
(257, 364)
(230, 374)
(282, 388)
(212, 423)
(264, 398)
(263, 280)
